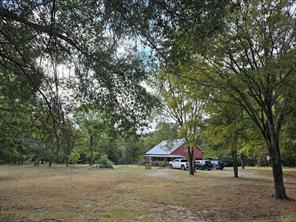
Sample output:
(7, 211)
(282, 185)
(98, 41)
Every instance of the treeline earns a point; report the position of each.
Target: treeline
(31, 133)
(88, 143)
(84, 141)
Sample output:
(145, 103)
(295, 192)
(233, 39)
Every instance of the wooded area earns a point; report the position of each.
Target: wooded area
(82, 81)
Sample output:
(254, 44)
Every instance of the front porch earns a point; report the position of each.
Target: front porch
(160, 160)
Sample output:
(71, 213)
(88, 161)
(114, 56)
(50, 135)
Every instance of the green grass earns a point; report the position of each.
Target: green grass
(290, 218)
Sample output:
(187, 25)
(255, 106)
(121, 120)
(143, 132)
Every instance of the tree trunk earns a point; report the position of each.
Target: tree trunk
(57, 149)
(234, 160)
(277, 171)
(49, 163)
(243, 161)
(190, 161)
(234, 154)
(193, 161)
(91, 150)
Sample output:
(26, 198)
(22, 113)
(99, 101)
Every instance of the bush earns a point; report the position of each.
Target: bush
(141, 161)
(104, 162)
(74, 157)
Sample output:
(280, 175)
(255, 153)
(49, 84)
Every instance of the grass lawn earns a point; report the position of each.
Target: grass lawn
(131, 193)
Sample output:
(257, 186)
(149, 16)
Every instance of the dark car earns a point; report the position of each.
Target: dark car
(217, 164)
(203, 164)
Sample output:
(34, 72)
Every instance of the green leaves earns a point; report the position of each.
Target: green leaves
(64, 54)
(185, 99)
(74, 157)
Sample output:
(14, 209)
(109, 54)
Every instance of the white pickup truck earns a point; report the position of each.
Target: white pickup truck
(179, 164)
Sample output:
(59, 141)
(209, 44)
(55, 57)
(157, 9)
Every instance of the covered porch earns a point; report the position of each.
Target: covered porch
(161, 159)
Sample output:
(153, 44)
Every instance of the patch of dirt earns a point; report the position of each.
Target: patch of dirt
(174, 213)
(161, 174)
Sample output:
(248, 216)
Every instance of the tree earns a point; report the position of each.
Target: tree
(185, 102)
(226, 126)
(15, 121)
(96, 124)
(74, 157)
(74, 33)
(40, 40)
(163, 131)
(163, 25)
(254, 62)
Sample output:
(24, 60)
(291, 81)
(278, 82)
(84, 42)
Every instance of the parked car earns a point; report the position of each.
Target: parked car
(203, 164)
(217, 164)
(179, 164)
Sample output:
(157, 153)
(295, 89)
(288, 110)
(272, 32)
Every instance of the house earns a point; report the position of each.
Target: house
(168, 150)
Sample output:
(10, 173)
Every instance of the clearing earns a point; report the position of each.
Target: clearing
(131, 193)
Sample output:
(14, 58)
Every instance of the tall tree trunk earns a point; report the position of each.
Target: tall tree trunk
(67, 161)
(277, 171)
(234, 153)
(91, 150)
(190, 161)
(243, 161)
(193, 161)
(234, 160)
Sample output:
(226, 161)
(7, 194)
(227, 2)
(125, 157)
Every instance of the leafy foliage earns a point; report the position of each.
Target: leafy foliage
(55, 56)
(104, 162)
(74, 157)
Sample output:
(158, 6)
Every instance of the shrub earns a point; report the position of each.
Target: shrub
(74, 157)
(104, 162)
(141, 161)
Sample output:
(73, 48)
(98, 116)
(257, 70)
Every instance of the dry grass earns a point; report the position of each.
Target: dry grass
(130, 193)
